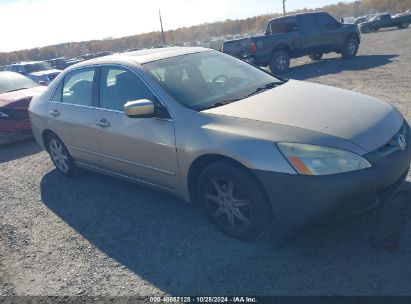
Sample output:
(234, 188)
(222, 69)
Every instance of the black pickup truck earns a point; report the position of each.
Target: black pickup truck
(383, 21)
(294, 36)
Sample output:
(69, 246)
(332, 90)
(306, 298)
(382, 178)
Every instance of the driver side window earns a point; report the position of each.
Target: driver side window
(119, 86)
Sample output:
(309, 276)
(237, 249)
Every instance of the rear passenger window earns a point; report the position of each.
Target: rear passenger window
(308, 23)
(118, 86)
(78, 87)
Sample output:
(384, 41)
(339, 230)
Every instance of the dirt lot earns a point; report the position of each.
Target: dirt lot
(94, 235)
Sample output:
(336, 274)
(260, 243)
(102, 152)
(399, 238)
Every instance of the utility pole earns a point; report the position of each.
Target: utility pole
(162, 31)
(284, 7)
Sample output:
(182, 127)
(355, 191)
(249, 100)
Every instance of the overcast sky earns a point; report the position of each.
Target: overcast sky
(35, 23)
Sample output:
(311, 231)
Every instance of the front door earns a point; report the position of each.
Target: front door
(142, 148)
(333, 32)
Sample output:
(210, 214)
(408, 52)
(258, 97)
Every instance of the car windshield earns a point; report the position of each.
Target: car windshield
(37, 67)
(10, 81)
(209, 79)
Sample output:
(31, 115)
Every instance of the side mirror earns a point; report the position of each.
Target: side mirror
(142, 108)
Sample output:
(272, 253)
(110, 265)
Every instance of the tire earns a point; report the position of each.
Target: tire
(280, 62)
(242, 212)
(403, 25)
(316, 57)
(60, 156)
(350, 48)
(365, 30)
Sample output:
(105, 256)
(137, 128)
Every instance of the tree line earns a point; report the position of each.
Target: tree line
(202, 32)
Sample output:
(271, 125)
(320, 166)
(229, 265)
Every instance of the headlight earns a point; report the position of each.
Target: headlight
(3, 115)
(319, 160)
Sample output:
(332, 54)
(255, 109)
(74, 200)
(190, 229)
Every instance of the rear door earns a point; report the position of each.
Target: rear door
(310, 33)
(142, 148)
(70, 112)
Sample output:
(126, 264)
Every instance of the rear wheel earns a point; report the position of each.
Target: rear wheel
(365, 30)
(233, 200)
(350, 48)
(315, 57)
(60, 155)
(403, 25)
(280, 62)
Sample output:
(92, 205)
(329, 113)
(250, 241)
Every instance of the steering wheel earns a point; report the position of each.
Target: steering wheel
(221, 76)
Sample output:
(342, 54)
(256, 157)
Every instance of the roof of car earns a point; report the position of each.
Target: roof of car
(26, 62)
(144, 56)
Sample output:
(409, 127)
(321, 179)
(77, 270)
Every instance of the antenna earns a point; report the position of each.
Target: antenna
(162, 31)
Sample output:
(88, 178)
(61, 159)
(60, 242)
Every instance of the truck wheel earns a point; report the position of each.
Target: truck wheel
(403, 25)
(315, 57)
(365, 30)
(350, 48)
(280, 62)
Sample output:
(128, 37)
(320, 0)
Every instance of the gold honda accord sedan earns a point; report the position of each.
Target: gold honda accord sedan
(254, 151)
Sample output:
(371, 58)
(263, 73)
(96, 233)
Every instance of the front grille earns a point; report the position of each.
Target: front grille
(393, 144)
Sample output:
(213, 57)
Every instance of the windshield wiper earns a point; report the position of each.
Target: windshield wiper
(263, 88)
(16, 90)
(218, 104)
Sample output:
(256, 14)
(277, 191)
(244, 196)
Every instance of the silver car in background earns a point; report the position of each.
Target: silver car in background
(254, 151)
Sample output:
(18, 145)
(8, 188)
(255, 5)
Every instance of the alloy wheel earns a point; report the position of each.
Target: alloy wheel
(59, 155)
(227, 204)
(281, 62)
(352, 48)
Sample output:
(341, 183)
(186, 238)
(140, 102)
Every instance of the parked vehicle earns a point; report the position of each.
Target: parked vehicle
(16, 92)
(361, 20)
(39, 71)
(253, 150)
(294, 36)
(385, 21)
(58, 63)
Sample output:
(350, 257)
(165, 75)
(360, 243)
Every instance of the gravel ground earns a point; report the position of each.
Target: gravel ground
(94, 235)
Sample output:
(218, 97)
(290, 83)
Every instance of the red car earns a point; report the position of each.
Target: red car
(16, 92)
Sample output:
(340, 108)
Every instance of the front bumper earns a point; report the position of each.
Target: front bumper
(300, 200)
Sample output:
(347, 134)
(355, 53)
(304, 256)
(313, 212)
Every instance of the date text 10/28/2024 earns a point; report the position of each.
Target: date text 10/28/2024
(203, 300)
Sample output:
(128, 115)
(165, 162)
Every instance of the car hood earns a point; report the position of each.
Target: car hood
(47, 72)
(20, 99)
(363, 120)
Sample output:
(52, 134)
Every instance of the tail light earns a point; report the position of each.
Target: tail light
(253, 47)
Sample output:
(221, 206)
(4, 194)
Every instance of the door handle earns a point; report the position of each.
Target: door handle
(104, 123)
(55, 113)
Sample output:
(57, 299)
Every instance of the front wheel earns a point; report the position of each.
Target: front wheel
(316, 57)
(60, 156)
(233, 200)
(350, 48)
(403, 25)
(280, 62)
